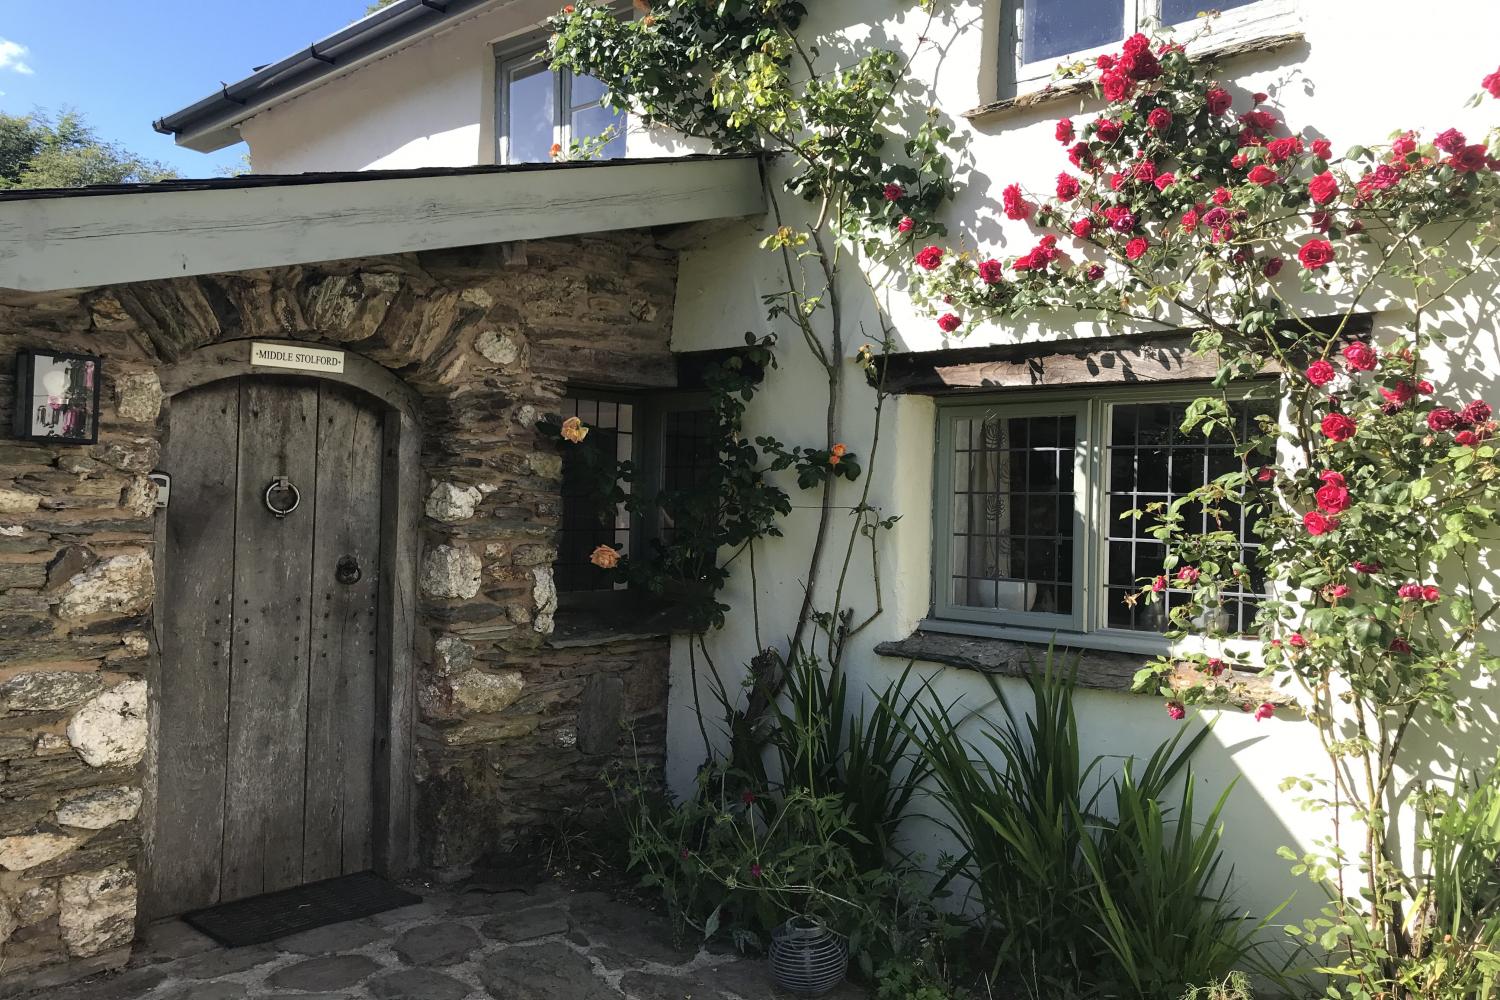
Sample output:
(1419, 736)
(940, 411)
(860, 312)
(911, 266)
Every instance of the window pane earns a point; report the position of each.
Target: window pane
(1055, 28)
(586, 90)
(1013, 514)
(1177, 11)
(529, 95)
(1151, 461)
(585, 525)
(590, 123)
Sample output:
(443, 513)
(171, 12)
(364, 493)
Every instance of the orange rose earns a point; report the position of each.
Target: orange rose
(556, 150)
(840, 450)
(605, 557)
(574, 430)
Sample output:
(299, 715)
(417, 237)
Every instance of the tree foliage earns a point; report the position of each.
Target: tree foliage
(39, 151)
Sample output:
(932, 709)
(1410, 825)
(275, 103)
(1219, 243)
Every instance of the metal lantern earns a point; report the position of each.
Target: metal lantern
(808, 959)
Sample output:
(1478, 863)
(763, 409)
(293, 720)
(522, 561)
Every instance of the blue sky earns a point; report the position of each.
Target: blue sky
(125, 63)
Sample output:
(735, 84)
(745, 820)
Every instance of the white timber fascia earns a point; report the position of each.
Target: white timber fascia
(49, 243)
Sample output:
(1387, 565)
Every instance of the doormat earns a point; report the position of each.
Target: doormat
(291, 911)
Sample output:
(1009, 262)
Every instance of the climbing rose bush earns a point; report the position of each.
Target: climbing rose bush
(1186, 203)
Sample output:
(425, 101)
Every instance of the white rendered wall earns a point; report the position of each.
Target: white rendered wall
(1366, 69)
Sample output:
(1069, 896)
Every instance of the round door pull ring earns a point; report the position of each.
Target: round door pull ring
(281, 484)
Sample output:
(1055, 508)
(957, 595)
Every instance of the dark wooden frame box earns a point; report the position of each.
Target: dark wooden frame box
(22, 423)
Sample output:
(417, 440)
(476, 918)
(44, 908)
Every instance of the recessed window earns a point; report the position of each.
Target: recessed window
(1030, 501)
(669, 440)
(539, 108)
(1040, 34)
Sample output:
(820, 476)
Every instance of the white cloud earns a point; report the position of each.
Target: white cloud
(13, 57)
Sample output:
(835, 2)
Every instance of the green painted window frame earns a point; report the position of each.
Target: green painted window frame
(1090, 547)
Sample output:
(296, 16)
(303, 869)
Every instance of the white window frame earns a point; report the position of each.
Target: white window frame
(1088, 625)
(1260, 19)
(514, 59)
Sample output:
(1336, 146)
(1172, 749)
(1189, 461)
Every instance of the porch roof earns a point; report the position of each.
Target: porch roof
(77, 238)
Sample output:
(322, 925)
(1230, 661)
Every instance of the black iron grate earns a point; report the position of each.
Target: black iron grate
(291, 911)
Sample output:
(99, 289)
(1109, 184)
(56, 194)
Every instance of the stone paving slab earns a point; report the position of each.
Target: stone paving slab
(543, 944)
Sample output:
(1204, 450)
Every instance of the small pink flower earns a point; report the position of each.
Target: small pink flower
(755, 871)
(1297, 640)
(894, 192)
(1265, 711)
(1175, 711)
(1365, 567)
(906, 225)
(1158, 585)
(1188, 574)
(1335, 592)
(1216, 666)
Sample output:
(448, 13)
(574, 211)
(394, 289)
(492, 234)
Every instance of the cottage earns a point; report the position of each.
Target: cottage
(311, 528)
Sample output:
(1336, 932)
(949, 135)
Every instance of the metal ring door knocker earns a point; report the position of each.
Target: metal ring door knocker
(282, 485)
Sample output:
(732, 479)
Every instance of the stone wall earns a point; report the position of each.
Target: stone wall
(512, 731)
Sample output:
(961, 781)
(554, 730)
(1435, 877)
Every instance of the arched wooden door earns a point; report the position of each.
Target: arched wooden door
(268, 622)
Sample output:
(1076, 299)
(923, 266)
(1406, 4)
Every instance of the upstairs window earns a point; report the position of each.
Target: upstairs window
(1040, 34)
(539, 108)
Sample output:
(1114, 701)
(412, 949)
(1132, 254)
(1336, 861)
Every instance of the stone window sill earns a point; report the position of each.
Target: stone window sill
(1099, 669)
(611, 617)
(1005, 107)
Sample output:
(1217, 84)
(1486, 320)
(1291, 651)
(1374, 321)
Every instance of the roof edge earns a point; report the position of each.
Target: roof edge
(212, 123)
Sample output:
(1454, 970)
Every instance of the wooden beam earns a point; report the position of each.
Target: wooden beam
(1135, 359)
(49, 243)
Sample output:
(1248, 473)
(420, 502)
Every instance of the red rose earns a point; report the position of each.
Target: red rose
(1468, 438)
(1144, 171)
(1083, 228)
(1067, 187)
(1283, 149)
(1265, 711)
(1476, 412)
(1336, 592)
(1218, 101)
(1137, 42)
(1337, 427)
(894, 192)
(949, 322)
(1107, 129)
(1189, 221)
(1442, 419)
(1095, 272)
(1159, 120)
(1080, 157)
(1492, 84)
(1158, 585)
(1469, 160)
(1105, 62)
(1323, 188)
(906, 225)
(1272, 267)
(1165, 180)
(1238, 161)
(1064, 131)
(1450, 141)
(1188, 574)
(1317, 524)
(1297, 640)
(1175, 711)
(1409, 591)
(1315, 254)
(1016, 207)
(1320, 372)
(1120, 218)
(1216, 666)
(1116, 86)
(1333, 499)
(1364, 567)
(1260, 121)
(1322, 149)
(1404, 145)
(1400, 645)
(1360, 356)
(928, 258)
(1221, 196)
(1398, 397)
(1262, 175)
(1431, 593)
(1136, 248)
(1331, 477)
(991, 271)
(1265, 474)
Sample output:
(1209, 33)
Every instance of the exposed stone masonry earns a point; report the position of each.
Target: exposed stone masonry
(512, 733)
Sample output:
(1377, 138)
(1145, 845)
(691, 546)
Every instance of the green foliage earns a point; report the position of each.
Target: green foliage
(64, 152)
(1089, 886)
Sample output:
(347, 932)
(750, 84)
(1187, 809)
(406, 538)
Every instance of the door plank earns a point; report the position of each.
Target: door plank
(195, 613)
(341, 724)
(268, 685)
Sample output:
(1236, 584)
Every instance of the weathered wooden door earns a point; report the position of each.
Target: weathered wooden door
(267, 696)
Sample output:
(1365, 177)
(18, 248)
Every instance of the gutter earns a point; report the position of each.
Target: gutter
(210, 123)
